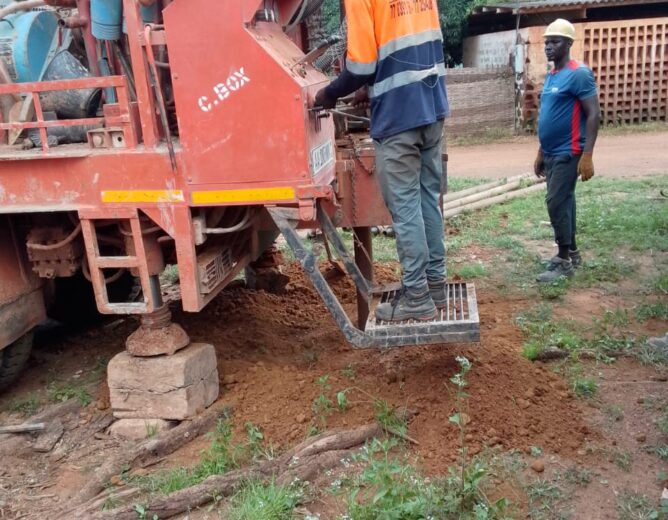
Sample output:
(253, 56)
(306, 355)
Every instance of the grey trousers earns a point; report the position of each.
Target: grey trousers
(562, 175)
(410, 168)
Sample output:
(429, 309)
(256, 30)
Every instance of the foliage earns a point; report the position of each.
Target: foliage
(390, 489)
(264, 501)
(61, 392)
(219, 458)
(631, 506)
(453, 16)
(25, 406)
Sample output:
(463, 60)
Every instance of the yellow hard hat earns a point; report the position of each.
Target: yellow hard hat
(560, 27)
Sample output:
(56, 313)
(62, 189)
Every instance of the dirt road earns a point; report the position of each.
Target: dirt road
(632, 155)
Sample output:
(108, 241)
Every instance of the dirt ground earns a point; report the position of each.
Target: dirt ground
(632, 155)
(271, 349)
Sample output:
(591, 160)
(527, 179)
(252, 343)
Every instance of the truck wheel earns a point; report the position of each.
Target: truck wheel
(13, 358)
(74, 300)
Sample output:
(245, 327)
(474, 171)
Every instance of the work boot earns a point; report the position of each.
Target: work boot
(575, 257)
(558, 268)
(438, 294)
(408, 304)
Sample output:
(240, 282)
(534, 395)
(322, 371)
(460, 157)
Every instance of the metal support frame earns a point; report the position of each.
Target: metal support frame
(286, 221)
(458, 323)
(351, 267)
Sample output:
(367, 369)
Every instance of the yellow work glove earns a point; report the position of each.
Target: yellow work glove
(539, 164)
(586, 166)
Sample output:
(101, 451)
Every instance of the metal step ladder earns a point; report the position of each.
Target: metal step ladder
(97, 263)
(457, 323)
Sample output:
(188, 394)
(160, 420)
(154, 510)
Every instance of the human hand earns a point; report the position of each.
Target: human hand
(323, 100)
(586, 166)
(361, 97)
(539, 165)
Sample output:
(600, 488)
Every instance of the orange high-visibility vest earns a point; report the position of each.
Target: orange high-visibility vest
(400, 43)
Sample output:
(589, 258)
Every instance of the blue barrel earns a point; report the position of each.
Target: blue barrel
(106, 19)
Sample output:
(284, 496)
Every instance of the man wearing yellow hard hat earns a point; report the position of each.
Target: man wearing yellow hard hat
(567, 128)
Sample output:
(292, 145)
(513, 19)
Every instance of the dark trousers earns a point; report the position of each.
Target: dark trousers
(562, 174)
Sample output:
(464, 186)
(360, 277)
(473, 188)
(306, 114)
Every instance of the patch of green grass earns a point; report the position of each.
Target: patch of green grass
(554, 290)
(650, 355)
(614, 412)
(617, 221)
(661, 421)
(391, 488)
(661, 451)
(256, 500)
(61, 392)
(639, 128)
(219, 458)
(542, 333)
(543, 498)
(26, 406)
(463, 183)
(623, 459)
(632, 506)
(646, 311)
(348, 372)
(577, 476)
(470, 271)
(584, 386)
(660, 283)
(487, 136)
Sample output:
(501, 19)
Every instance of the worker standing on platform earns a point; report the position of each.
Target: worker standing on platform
(567, 128)
(396, 48)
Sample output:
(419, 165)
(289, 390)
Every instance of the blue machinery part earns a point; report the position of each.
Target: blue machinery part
(106, 19)
(27, 43)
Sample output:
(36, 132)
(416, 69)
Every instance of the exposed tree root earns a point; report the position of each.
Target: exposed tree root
(302, 462)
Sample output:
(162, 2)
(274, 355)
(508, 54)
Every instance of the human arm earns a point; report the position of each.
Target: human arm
(539, 164)
(592, 112)
(586, 93)
(361, 56)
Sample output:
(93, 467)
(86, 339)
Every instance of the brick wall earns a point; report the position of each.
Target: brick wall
(629, 59)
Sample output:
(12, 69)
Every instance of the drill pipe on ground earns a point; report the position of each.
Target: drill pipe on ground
(510, 186)
(494, 200)
(481, 187)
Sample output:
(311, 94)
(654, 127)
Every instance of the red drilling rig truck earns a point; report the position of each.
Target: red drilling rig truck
(141, 133)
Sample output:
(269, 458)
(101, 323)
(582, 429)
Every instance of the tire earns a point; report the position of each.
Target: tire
(13, 358)
(74, 299)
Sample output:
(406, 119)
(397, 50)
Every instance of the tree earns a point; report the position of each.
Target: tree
(453, 16)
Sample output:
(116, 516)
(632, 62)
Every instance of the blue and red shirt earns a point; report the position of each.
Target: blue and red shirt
(561, 122)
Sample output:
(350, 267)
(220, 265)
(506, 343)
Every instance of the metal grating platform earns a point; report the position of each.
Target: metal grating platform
(457, 323)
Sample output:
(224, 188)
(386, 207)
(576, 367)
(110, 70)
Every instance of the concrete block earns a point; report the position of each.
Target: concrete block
(165, 387)
(139, 429)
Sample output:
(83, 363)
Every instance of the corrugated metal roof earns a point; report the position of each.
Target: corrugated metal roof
(534, 6)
